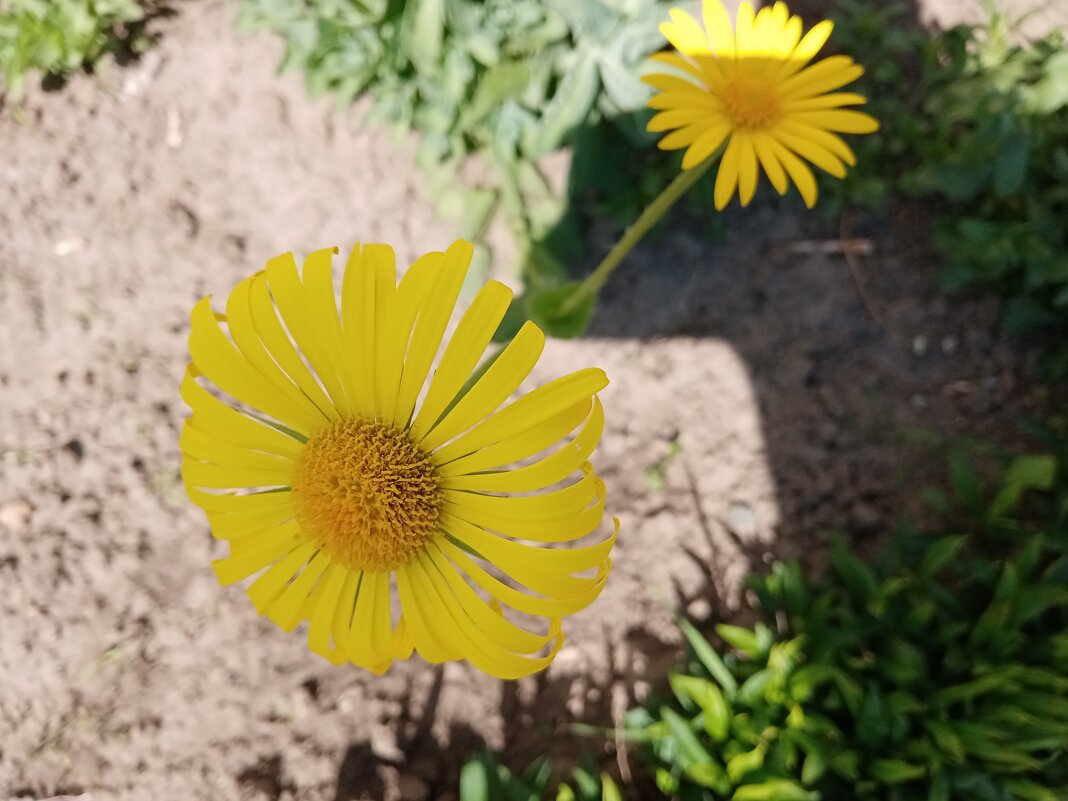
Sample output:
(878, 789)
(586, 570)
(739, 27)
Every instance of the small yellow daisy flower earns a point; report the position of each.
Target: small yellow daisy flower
(750, 83)
(385, 515)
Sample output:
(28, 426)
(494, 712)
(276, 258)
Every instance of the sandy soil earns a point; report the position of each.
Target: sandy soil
(127, 673)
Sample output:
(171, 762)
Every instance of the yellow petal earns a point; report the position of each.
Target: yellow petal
(367, 289)
(743, 30)
(807, 149)
(277, 341)
(501, 379)
(462, 354)
(285, 610)
(219, 360)
(521, 601)
(306, 315)
(799, 173)
(718, 26)
(676, 61)
(684, 33)
(430, 327)
(544, 570)
(433, 645)
(543, 403)
(842, 120)
(727, 176)
(532, 440)
(214, 476)
(399, 318)
(807, 48)
(214, 418)
(507, 634)
(322, 617)
(270, 585)
(544, 473)
(766, 153)
(705, 145)
(679, 118)
(825, 139)
(821, 102)
(747, 169)
(256, 553)
(823, 76)
(196, 444)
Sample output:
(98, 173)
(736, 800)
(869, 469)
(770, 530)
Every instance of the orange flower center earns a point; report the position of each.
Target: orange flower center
(366, 494)
(750, 103)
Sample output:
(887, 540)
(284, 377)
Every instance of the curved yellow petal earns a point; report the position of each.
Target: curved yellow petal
(684, 33)
(825, 139)
(543, 473)
(445, 614)
(433, 645)
(252, 554)
(501, 379)
(198, 445)
(227, 502)
(285, 610)
(215, 476)
(532, 440)
(502, 631)
(398, 319)
(462, 354)
(823, 76)
(322, 616)
(541, 404)
(274, 580)
(718, 27)
(770, 163)
(747, 169)
(807, 48)
(430, 327)
(727, 176)
(219, 360)
(840, 120)
(706, 144)
(311, 317)
(367, 289)
(521, 601)
(798, 171)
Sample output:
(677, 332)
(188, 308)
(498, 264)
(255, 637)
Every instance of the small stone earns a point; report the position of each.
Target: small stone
(384, 744)
(699, 609)
(15, 515)
(741, 519)
(949, 345)
(919, 345)
(66, 247)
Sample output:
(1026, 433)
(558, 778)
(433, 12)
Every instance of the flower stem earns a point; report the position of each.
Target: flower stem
(593, 282)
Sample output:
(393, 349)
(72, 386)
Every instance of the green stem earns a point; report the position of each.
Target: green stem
(593, 282)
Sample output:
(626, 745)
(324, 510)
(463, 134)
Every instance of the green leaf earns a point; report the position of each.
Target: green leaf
(709, 658)
(500, 83)
(856, 575)
(743, 640)
(690, 747)
(741, 764)
(422, 33)
(569, 107)
(609, 790)
(709, 698)
(1010, 166)
(1034, 471)
(940, 552)
(1030, 791)
(475, 782)
(814, 767)
(778, 790)
(544, 308)
(946, 740)
(895, 771)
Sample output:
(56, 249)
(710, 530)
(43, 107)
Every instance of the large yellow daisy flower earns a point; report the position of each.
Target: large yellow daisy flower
(750, 85)
(380, 513)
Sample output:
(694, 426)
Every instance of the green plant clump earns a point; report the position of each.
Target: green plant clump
(483, 778)
(510, 80)
(939, 674)
(978, 125)
(58, 36)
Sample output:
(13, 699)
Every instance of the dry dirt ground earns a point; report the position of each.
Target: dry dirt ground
(127, 673)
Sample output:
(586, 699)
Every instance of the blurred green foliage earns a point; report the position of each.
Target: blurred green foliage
(940, 673)
(58, 36)
(509, 80)
(978, 125)
(483, 778)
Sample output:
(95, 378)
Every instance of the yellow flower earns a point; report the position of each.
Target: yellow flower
(392, 525)
(751, 84)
